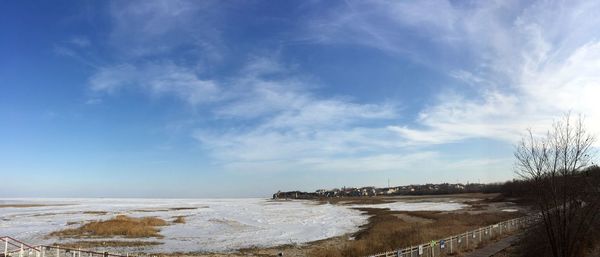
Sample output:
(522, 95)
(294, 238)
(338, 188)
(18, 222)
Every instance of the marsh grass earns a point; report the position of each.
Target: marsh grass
(179, 219)
(121, 225)
(103, 243)
(95, 212)
(386, 232)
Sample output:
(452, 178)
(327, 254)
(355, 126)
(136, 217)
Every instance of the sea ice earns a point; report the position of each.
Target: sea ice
(212, 225)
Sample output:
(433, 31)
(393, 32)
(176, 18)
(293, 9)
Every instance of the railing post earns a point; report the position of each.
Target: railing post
(6, 246)
(21, 251)
(57, 251)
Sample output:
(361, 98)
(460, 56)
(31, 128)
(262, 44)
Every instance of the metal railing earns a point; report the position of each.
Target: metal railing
(461, 242)
(16, 248)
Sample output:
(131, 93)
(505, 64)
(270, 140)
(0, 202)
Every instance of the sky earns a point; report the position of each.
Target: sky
(208, 98)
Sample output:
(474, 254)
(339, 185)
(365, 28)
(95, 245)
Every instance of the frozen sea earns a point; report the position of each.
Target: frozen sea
(212, 225)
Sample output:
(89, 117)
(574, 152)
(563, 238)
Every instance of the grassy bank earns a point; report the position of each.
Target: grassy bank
(388, 230)
(121, 225)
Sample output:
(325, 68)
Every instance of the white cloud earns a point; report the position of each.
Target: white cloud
(524, 66)
(526, 63)
(157, 79)
(291, 124)
(150, 28)
(80, 42)
(269, 108)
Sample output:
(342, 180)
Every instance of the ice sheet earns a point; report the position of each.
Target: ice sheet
(212, 225)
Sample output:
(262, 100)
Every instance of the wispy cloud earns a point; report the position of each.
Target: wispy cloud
(289, 123)
(80, 41)
(524, 62)
(151, 28)
(516, 65)
(156, 79)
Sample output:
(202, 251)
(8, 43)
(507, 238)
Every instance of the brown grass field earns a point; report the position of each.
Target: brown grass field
(179, 219)
(121, 225)
(109, 243)
(388, 230)
(95, 212)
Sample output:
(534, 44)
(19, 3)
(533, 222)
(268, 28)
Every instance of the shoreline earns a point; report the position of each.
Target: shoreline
(477, 204)
(378, 217)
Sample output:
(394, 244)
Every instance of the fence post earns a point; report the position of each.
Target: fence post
(6, 246)
(57, 251)
(467, 239)
(21, 251)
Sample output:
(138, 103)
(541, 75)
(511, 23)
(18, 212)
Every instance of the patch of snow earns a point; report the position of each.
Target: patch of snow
(212, 225)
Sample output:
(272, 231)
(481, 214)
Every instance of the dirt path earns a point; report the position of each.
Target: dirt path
(493, 248)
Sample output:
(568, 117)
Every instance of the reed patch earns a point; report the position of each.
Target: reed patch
(121, 225)
(179, 220)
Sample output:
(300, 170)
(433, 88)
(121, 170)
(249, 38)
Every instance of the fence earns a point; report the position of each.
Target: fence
(461, 242)
(14, 248)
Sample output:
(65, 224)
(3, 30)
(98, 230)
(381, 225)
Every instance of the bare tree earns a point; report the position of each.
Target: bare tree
(567, 197)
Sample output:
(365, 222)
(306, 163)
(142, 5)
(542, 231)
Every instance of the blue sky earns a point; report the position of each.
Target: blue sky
(244, 98)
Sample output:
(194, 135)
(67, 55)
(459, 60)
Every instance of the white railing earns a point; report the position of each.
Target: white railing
(16, 248)
(461, 242)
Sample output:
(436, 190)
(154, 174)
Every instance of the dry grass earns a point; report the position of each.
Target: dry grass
(95, 244)
(169, 209)
(386, 232)
(95, 212)
(179, 219)
(185, 208)
(121, 225)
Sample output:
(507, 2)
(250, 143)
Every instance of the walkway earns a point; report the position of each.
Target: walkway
(492, 248)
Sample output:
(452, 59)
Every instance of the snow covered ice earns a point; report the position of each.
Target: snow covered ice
(212, 225)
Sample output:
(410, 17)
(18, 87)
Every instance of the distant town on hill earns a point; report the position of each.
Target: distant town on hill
(426, 189)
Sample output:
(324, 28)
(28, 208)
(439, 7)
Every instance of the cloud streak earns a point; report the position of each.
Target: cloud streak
(523, 63)
(515, 65)
(156, 79)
